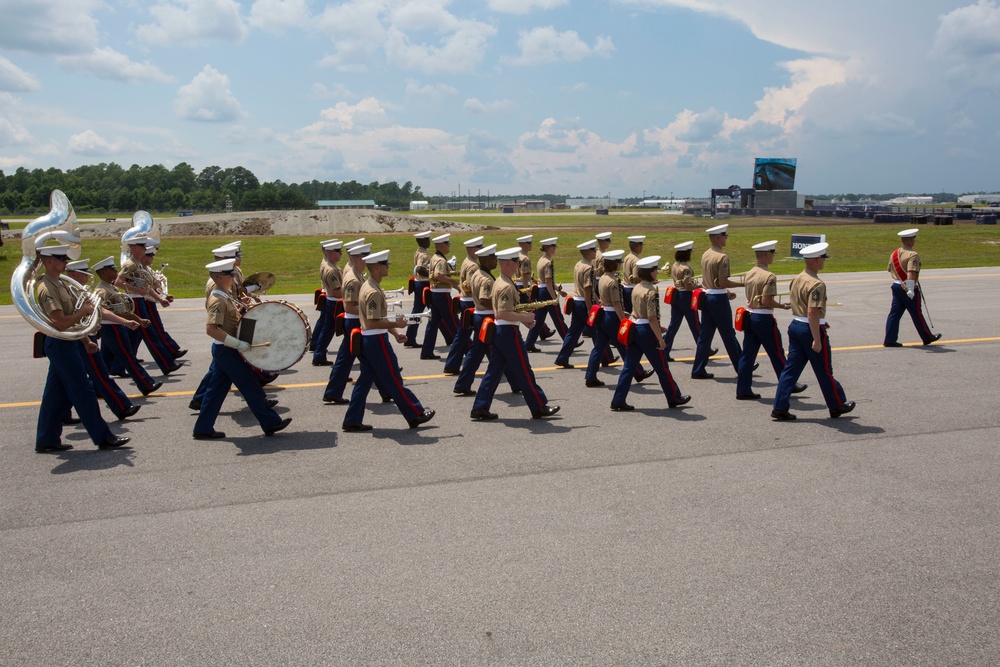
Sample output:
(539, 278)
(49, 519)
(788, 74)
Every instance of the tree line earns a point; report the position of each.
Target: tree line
(108, 187)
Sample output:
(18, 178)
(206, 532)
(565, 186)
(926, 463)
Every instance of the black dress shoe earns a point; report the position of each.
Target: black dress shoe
(70, 421)
(449, 371)
(214, 435)
(782, 416)
(173, 369)
(842, 410)
(752, 396)
(515, 390)
(324, 362)
(335, 400)
(483, 415)
(579, 343)
(422, 419)
(595, 383)
(622, 407)
(357, 427)
(799, 388)
(564, 364)
(646, 374)
(131, 411)
(702, 376)
(756, 365)
(45, 449)
(113, 442)
(605, 364)
(152, 388)
(271, 402)
(683, 399)
(933, 338)
(195, 405)
(430, 357)
(545, 335)
(893, 344)
(547, 411)
(180, 353)
(714, 351)
(670, 359)
(412, 345)
(282, 425)
(464, 392)
(533, 349)
(387, 399)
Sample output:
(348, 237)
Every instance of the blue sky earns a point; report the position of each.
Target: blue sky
(512, 96)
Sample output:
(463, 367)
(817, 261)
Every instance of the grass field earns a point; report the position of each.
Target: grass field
(854, 246)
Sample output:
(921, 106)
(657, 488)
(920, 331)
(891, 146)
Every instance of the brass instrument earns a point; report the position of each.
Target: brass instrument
(59, 225)
(534, 305)
(142, 225)
(260, 282)
(160, 280)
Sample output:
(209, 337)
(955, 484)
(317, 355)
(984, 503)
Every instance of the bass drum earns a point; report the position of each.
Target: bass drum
(280, 324)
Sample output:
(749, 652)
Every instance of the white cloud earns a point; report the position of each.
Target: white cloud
(459, 51)
(546, 45)
(887, 124)
(91, 144)
(207, 98)
(193, 21)
(968, 41)
(473, 105)
(49, 26)
(429, 90)
(347, 117)
(278, 15)
(524, 6)
(107, 63)
(357, 33)
(13, 135)
(321, 91)
(16, 80)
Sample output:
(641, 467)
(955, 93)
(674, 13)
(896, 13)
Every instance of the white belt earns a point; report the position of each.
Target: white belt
(351, 316)
(641, 320)
(506, 323)
(799, 318)
(333, 298)
(217, 342)
(716, 291)
(374, 332)
(483, 312)
(682, 289)
(760, 311)
(897, 282)
(609, 309)
(466, 298)
(579, 298)
(441, 290)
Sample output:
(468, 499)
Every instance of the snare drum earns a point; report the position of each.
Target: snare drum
(282, 325)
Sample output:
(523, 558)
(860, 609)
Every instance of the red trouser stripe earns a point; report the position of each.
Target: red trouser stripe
(526, 368)
(126, 350)
(104, 383)
(394, 373)
(828, 364)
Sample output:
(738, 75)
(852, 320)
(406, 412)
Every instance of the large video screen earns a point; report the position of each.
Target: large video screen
(774, 173)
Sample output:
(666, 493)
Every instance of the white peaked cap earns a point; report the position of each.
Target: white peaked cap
(354, 242)
(332, 245)
(718, 229)
(908, 233)
(221, 265)
(376, 257)
(637, 239)
(603, 236)
(525, 239)
(766, 245)
(328, 241)
(53, 250)
(472, 243)
(587, 245)
(487, 251)
(79, 265)
(815, 250)
(226, 251)
(422, 235)
(614, 254)
(444, 238)
(687, 245)
(509, 253)
(651, 262)
(362, 249)
(106, 263)
(137, 240)
(549, 241)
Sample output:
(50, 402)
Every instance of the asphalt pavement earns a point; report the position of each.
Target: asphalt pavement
(702, 535)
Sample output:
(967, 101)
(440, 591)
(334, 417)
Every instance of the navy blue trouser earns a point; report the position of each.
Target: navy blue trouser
(541, 314)
(627, 298)
(800, 353)
(442, 317)
(718, 315)
(645, 344)
(325, 329)
(605, 336)
(105, 387)
(901, 303)
(459, 344)
(509, 357)
(231, 368)
(341, 369)
(67, 385)
(474, 358)
(418, 307)
(577, 327)
(160, 331)
(163, 357)
(116, 348)
(378, 360)
(759, 330)
(680, 310)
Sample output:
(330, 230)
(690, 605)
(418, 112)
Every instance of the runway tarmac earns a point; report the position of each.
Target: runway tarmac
(703, 535)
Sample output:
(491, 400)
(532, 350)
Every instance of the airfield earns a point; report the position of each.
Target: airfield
(702, 535)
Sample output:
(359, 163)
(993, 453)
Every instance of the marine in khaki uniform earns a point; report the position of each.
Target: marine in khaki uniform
(460, 344)
(629, 278)
(421, 277)
(680, 302)
(807, 339)
(904, 267)
(603, 243)
(547, 291)
(332, 279)
(760, 328)
(583, 299)
(717, 314)
(442, 282)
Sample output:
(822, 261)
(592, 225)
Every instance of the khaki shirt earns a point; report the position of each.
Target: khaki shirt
(714, 268)
(683, 276)
(646, 302)
(53, 295)
(331, 276)
(371, 303)
(546, 270)
(523, 267)
(421, 258)
(628, 269)
(583, 278)
(467, 270)
(222, 312)
(439, 267)
(909, 260)
(599, 263)
(609, 290)
(504, 295)
(105, 289)
(352, 285)
(807, 291)
(759, 282)
(481, 283)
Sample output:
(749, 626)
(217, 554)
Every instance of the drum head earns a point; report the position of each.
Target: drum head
(282, 325)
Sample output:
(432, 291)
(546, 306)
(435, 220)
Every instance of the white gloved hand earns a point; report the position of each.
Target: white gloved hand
(909, 289)
(236, 343)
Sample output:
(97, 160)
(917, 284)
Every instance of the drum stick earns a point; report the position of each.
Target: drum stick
(261, 344)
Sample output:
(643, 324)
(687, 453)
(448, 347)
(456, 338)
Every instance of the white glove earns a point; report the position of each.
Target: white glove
(909, 289)
(236, 343)
(250, 289)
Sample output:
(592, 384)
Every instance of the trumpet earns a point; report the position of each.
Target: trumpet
(395, 292)
(534, 305)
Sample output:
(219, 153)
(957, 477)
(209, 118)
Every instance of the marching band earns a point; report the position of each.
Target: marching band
(615, 303)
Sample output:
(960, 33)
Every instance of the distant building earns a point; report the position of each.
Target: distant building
(979, 199)
(909, 199)
(419, 205)
(592, 202)
(345, 203)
